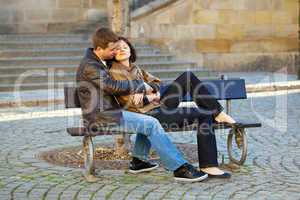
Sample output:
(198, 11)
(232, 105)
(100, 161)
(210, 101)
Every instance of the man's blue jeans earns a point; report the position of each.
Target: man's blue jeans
(151, 134)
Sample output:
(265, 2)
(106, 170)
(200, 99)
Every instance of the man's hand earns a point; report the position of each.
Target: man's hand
(138, 98)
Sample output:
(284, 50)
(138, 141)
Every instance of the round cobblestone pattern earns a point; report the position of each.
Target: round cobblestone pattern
(73, 156)
(272, 170)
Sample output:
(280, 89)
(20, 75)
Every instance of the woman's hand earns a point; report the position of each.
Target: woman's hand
(157, 97)
(154, 97)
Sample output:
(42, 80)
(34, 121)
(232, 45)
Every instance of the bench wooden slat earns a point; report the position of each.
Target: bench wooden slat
(224, 89)
(71, 97)
(244, 125)
(216, 126)
(81, 131)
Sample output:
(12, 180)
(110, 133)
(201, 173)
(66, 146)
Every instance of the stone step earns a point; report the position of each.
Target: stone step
(32, 86)
(167, 66)
(4, 45)
(36, 44)
(44, 37)
(52, 52)
(55, 37)
(41, 82)
(16, 53)
(43, 76)
(36, 61)
(73, 60)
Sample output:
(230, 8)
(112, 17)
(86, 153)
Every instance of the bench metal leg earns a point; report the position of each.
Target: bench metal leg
(88, 155)
(239, 137)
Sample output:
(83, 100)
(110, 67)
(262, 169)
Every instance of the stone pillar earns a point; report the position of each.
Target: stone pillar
(119, 16)
(119, 21)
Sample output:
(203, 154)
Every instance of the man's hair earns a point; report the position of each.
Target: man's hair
(102, 37)
(133, 56)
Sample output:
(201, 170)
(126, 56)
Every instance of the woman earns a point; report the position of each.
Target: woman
(162, 103)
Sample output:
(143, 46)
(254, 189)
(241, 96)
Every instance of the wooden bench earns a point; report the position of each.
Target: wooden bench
(227, 90)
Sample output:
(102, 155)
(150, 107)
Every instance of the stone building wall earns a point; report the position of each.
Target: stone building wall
(41, 16)
(235, 35)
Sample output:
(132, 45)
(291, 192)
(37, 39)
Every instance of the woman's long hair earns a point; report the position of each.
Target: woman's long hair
(133, 56)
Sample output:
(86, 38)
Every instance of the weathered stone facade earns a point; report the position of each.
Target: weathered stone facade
(224, 35)
(32, 16)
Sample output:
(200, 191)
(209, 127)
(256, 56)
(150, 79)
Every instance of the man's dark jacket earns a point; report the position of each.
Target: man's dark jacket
(97, 90)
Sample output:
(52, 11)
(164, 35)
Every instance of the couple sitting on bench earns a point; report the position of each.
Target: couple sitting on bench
(113, 90)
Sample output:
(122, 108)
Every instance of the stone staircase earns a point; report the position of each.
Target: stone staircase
(30, 62)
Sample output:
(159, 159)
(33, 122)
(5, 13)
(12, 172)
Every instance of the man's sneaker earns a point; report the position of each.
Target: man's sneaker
(188, 173)
(137, 166)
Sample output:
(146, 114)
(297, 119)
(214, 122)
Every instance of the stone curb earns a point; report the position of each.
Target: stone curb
(251, 88)
(271, 87)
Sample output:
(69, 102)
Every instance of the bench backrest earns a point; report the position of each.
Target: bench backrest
(220, 89)
(71, 97)
(224, 89)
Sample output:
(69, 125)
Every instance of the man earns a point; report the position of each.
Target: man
(96, 90)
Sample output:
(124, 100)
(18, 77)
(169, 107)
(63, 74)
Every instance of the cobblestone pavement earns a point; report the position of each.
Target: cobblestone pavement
(272, 170)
